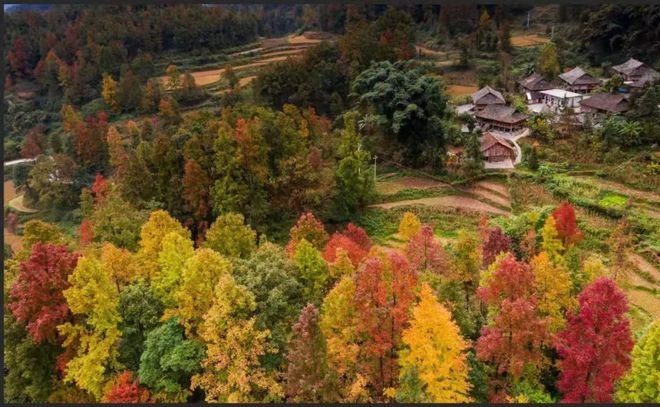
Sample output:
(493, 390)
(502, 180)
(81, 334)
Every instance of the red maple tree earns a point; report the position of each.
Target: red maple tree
(353, 239)
(126, 389)
(100, 188)
(514, 337)
(384, 292)
(36, 296)
(494, 243)
(425, 253)
(86, 232)
(595, 345)
(309, 228)
(566, 225)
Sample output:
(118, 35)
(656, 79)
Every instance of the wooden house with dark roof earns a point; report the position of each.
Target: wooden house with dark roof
(500, 117)
(486, 96)
(532, 85)
(495, 149)
(634, 71)
(577, 80)
(601, 104)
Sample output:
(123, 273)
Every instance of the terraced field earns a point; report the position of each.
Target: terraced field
(266, 52)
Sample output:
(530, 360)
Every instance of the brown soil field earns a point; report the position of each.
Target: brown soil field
(528, 40)
(461, 90)
(203, 78)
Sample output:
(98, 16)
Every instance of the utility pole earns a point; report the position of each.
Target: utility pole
(375, 158)
(528, 19)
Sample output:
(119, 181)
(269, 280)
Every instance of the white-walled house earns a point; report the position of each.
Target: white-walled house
(557, 99)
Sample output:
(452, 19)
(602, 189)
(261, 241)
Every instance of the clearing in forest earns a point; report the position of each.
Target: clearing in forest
(528, 40)
(461, 90)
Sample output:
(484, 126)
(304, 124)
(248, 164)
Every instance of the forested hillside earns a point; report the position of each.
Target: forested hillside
(288, 203)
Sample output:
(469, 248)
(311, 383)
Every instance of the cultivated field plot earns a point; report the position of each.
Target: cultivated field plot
(267, 52)
(528, 40)
(461, 90)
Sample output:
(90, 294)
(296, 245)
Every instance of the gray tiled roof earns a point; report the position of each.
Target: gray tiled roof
(485, 91)
(577, 76)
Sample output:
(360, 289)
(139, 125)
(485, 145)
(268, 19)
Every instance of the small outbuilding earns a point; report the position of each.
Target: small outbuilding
(486, 96)
(495, 149)
(577, 80)
(532, 85)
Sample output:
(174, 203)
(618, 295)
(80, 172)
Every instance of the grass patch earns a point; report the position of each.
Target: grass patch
(611, 199)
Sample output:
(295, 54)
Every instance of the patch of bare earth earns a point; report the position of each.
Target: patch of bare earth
(461, 90)
(528, 40)
(459, 202)
(203, 78)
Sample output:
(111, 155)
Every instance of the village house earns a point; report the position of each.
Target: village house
(532, 85)
(597, 106)
(557, 99)
(500, 117)
(486, 96)
(577, 80)
(635, 73)
(495, 149)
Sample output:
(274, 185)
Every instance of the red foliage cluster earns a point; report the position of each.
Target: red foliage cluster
(383, 296)
(86, 232)
(353, 239)
(309, 228)
(566, 225)
(34, 143)
(127, 390)
(494, 243)
(100, 188)
(424, 252)
(516, 334)
(36, 296)
(595, 345)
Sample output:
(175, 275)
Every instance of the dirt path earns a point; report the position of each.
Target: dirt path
(428, 51)
(11, 239)
(449, 201)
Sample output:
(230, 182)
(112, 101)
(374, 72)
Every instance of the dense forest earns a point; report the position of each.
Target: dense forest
(243, 238)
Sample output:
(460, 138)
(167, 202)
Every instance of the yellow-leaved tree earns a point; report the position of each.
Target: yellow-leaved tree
(231, 371)
(194, 295)
(92, 339)
(338, 322)
(552, 284)
(176, 250)
(433, 364)
(409, 226)
(552, 245)
(159, 225)
(119, 264)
